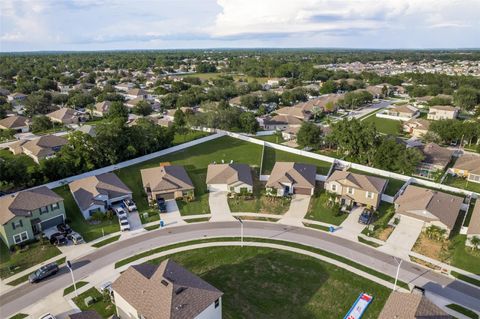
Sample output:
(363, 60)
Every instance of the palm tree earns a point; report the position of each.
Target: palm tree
(475, 241)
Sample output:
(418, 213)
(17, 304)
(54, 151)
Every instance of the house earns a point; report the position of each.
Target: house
(165, 291)
(436, 158)
(291, 178)
(356, 189)
(17, 123)
(124, 87)
(136, 93)
(442, 112)
(101, 108)
(467, 166)
(16, 97)
(167, 181)
(280, 122)
(88, 129)
(416, 127)
(64, 115)
(27, 213)
(431, 206)
(233, 177)
(474, 225)
(402, 305)
(40, 148)
(300, 113)
(98, 193)
(133, 102)
(400, 112)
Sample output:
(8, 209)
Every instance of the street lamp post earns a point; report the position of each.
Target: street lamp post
(398, 271)
(69, 265)
(241, 229)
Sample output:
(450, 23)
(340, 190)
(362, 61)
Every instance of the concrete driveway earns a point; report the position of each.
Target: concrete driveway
(297, 210)
(404, 236)
(134, 220)
(172, 216)
(350, 228)
(219, 207)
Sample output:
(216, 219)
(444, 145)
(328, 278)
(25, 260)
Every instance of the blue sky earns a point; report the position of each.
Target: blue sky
(31, 25)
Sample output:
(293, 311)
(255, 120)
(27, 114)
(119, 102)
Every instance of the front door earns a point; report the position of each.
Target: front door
(37, 228)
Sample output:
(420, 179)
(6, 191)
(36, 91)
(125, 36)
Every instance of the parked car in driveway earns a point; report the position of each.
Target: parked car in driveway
(58, 239)
(162, 205)
(64, 228)
(75, 237)
(120, 211)
(43, 272)
(124, 224)
(366, 217)
(130, 205)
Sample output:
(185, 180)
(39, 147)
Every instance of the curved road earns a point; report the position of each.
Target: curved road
(459, 292)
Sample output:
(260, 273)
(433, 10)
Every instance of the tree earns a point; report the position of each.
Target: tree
(250, 101)
(143, 108)
(205, 68)
(248, 123)
(396, 157)
(309, 135)
(466, 98)
(328, 87)
(356, 99)
(117, 110)
(38, 103)
(41, 123)
(475, 242)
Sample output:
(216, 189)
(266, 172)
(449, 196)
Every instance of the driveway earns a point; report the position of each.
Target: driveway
(219, 207)
(172, 216)
(403, 237)
(350, 228)
(134, 220)
(297, 211)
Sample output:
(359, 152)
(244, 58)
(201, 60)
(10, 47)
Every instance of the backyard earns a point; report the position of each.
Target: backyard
(385, 126)
(393, 185)
(271, 156)
(268, 283)
(321, 210)
(461, 183)
(88, 230)
(6, 154)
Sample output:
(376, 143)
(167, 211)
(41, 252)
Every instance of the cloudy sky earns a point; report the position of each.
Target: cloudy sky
(31, 25)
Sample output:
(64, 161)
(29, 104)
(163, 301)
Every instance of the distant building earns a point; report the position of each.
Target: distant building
(17, 123)
(416, 127)
(442, 112)
(467, 166)
(64, 115)
(101, 108)
(40, 148)
(436, 158)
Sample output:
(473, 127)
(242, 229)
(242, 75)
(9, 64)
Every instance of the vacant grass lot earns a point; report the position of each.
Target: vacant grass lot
(268, 283)
(88, 230)
(385, 126)
(195, 160)
(320, 210)
(393, 185)
(12, 263)
(461, 183)
(271, 156)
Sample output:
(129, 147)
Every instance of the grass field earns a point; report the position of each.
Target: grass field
(189, 136)
(385, 126)
(461, 183)
(272, 155)
(393, 185)
(89, 231)
(268, 283)
(321, 211)
(195, 160)
(463, 310)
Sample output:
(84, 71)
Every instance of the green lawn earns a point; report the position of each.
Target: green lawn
(12, 263)
(464, 257)
(195, 159)
(320, 210)
(189, 136)
(382, 216)
(274, 138)
(467, 312)
(385, 126)
(461, 183)
(19, 316)
(6, 154)
(271, 156)
(104, 308)
(88, 230)
(268, 283)
(106, 241)
(71, 288)
(393, 185)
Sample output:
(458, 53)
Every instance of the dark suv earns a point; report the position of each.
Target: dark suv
(58, 239)
(43, 272)
(64, 228)
(162, 206)
(366, 217)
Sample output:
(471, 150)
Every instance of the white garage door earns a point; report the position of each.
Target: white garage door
(218, 187)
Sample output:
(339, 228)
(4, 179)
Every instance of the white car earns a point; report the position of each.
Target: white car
(124, 224)
(130, 204)
(120, 212)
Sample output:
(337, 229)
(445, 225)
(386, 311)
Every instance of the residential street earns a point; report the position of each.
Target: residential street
(443, 286)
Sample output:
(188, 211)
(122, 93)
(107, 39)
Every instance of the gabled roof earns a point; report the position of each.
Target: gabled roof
(469, 163)
(13, 122)
(443, 108)
(22, 203)
(474, 226)
(282, 119)
(364, 182)
(297, 174)
(86, 189)
(42, 147)
(297, 112)
(420, 124)
(404, 109)
(436, 155)
(63, 113)
(166, 178)
(443, 206)
(136, 92)
(229, 174)
(165, 291)
(103, 106)
(411, 306)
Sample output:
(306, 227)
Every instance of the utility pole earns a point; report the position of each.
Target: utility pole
(398, 271)
(69, 265)
(241, 229)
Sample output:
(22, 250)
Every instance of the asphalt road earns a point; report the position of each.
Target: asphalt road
(25, 295)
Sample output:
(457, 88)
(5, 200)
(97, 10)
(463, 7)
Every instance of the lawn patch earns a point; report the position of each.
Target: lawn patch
(71, 288)
(104, 307)
(152, 227)
(274, 138)
(19, 316)
(381, 229)
(462, 183)
(272, 155)
(464, 311)
(197, 220)
(106, 241)
(385, 126)
(368, 242)
(189, 136)
(321, 210)
(319, 227)
(468, 279)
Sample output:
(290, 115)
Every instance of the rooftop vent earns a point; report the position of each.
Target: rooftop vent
(164, 282)
(179, 290)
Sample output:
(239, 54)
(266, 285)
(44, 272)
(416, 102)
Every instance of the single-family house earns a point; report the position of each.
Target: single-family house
(17, 123)
(291, 178)
(356, 189)
(88, 129)
(402, 305)
(40, 148)
(101, 108)
(165, 291)
(98, 193)
(442, 112)
(436, 158)
(124, 87)
(27, 213)
(300, 113)
(400, 112)
(468, 166)
(280, 122)
(166, 181)
(416, 127)
(232, 177)
(136, 93)
(474, 225)
(64, 115)
(431, 206)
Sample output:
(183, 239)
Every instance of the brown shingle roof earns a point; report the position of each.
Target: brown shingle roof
(282, 119)
(103, 106)
(469, 163)
(86, 189)
(229, 174)
(443, 108)
(299, 175)
(165, 291)
(409, 306)
(13, 122)
(443, 206)
(166, 178)
(436, 155)
(364, 182)
(22, 203)
(474, 226)
(63, 114)
(42, 147)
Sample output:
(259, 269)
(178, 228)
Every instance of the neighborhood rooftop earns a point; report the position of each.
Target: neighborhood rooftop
(365, 182)
(229, 174)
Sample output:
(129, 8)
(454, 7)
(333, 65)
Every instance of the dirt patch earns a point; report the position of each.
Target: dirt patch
(436, 249)
(384, 233)
(273, 205)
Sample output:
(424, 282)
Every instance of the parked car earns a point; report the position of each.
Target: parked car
(366, 217)
(130, 205)
(64, 228)
(75, 237)
(120, 211)
(43, 272)
(162, 205)
(124, 224)
(47, 316)
(58, 239)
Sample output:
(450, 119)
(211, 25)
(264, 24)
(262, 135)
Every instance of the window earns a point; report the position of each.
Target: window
(55, 206)
(217, 303)
(18, 238)
(334, 187)
(43, 210)
(350, 190)
(17, 224)
(370, 195)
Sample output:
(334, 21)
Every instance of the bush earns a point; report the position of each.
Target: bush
(97, 216)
